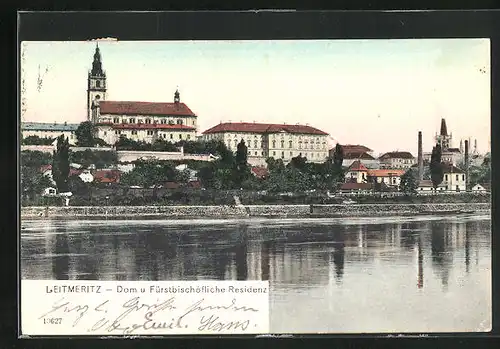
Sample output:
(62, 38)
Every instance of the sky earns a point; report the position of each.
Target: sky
(378, 93)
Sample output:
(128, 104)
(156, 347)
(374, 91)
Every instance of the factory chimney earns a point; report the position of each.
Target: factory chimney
(466, 160)
(420, 157)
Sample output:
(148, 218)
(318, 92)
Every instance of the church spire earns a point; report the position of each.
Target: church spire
(444, 131)
(97, 63)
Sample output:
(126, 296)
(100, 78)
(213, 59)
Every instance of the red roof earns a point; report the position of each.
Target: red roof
(106, 176)
(263, 128)
(144, 108)
(357, 166)
(260, 172)
(355, 148)
(144, 126)
(358, 155)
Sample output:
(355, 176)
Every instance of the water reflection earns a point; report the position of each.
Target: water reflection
(339, 263)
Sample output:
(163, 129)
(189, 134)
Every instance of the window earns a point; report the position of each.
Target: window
(163, 121)
(463, 177)
(105, 133)
(116, 120)
(180, 135)
(148, 121)
(188, 136)
(282, 143)
(456, 177)
(98, 83)
(274, 153)
(290, 144)
(150, 133)
(131, 120)
(193, 122)
(282, 154)
(171, 136)
(164, 135)
(255, 145)
(262, 153)
(179, 121)
(255, 153)
(445, 177)
(134, 132)
(291, 153)
(274, 144)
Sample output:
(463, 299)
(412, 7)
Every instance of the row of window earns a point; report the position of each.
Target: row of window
(290, 144)
(151, 133)
(149, 121)
(457, 177)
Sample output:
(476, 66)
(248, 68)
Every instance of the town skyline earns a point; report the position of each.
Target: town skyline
(320, 83)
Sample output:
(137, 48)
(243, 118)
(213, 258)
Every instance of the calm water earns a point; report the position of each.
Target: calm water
(357, 275)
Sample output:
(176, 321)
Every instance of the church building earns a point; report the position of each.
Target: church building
(138, 121)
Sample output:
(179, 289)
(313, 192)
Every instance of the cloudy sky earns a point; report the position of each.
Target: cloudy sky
(378, 93)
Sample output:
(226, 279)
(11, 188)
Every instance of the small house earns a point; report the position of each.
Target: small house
(481, 188)
(49, 192)
(357, 173)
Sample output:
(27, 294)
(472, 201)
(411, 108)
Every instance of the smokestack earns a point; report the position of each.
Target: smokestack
(420, 157)
(475, 146)
(466, 165)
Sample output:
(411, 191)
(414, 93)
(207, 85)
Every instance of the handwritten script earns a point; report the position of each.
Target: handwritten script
(150, 313)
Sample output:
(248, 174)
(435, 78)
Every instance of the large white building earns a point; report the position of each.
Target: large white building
(278, 141)
(139, 121)
(48, 130)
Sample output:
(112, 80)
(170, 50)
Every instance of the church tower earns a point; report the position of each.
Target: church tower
(444, 139)
(96, 88)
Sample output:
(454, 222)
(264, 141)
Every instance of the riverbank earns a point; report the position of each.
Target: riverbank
(228, 211)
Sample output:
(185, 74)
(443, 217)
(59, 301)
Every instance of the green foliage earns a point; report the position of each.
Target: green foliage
(99, 158)
(85, 134)
(149, 173)
(409, 182)
(241, 170)
(35, 158)
(436, 166)
(35, 140)
(60, 164)
(338, 156)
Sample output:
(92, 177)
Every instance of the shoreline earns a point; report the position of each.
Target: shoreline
(247, 211)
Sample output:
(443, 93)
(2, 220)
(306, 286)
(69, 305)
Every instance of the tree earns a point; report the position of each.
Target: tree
(436, 167)
(85, 134)
(35, 140)
(60, 164)
(298, 162)
(241, 170)
(99, 158)
(338, 156)
(409, 183)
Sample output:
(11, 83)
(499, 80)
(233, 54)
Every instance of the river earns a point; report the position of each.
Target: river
(391, 274)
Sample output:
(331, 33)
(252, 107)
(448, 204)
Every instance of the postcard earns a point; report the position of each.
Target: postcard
(255, 187)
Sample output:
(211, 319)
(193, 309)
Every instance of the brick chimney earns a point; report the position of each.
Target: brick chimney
(420, 158)
(466, 160)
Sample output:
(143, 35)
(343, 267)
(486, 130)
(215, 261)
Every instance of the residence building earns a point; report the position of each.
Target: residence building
(139, 121)
(454, 178)
(397, 160)
(50, 130)
(390, 177)
(278, 141)
(357, 173)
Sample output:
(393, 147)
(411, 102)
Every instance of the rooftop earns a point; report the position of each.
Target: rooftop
(358, 155)
(248, 127)
(45, 126)
(397, 155)
(386, 173)
(145, 108)
(357, 166)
